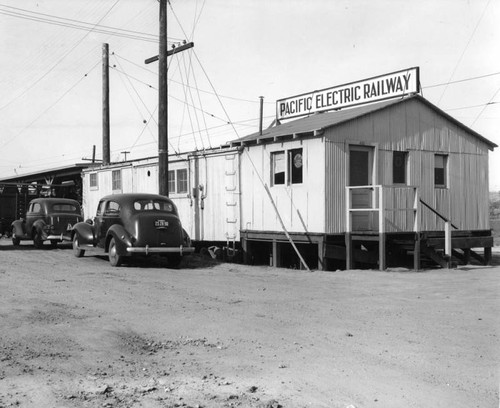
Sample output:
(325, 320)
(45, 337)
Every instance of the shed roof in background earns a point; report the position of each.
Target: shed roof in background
(316, 124)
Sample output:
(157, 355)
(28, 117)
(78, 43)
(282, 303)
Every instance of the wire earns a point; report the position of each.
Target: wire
(472, 106)
(58, 61)
(461, 80)
(51, 106)
(482, 110)
(465, 49)
(77, 24)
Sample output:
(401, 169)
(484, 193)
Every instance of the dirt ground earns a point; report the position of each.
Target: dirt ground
(79, 333)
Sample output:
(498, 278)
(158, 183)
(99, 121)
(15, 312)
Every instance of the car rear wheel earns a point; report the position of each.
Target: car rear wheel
(114, 258)
(174, 261)
(15, 241)
(37, 240)
(77, 251)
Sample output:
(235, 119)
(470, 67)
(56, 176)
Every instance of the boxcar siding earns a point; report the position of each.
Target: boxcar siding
(421, 131)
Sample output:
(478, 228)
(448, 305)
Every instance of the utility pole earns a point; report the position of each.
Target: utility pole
(163, 104)
(105, 105)
(163, 98)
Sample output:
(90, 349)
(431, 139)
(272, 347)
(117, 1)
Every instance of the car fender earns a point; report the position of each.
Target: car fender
(122, 238)
(38, 226)
(18, 229)
(85, 232)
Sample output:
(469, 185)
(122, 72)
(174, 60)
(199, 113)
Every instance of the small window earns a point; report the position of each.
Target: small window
(153, 205)
(182, 182)
(116, 179)
(295, 165)
(171, 181)
(93, 181)
(440, 171)
(399, 162)
(278, 168)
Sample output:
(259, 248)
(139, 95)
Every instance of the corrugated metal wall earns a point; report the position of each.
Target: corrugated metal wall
(421, 131)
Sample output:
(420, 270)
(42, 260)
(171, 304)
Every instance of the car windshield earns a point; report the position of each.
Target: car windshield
(64, 207)
(153, 205)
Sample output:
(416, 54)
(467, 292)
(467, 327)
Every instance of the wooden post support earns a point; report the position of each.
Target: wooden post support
(487, 255)
(447, 242)
(416, 252)
(382, 264)
(349, 262)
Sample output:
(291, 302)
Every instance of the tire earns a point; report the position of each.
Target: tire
(174, 261)
(114, 258)
(15, 241)
(37, 240)
(77, 251)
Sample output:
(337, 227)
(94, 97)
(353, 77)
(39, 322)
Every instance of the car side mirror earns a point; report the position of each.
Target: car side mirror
(89, 221)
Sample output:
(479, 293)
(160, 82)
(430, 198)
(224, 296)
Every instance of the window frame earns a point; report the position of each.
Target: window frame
(445, 174)
(115, 181)
(404, 166)
(93, 186)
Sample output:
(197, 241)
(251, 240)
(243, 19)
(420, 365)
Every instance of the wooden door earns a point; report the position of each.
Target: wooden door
(361, 174)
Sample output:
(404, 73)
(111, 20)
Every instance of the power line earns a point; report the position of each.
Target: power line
(461, 80)
(465, 49)
(58, 61)
(77, 24)
(489, 103)
(51, 106)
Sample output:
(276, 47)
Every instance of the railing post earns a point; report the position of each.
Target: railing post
(381, 229)
(348, 241)
(416, 229)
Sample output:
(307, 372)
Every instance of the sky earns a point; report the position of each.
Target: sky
(51, 68)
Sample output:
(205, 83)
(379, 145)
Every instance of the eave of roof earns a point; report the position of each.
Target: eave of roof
(316, 124)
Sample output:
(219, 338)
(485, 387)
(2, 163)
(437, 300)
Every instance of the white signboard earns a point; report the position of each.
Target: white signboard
(369, 90)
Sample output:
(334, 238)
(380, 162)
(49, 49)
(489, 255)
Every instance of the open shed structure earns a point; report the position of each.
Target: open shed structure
(383, 184)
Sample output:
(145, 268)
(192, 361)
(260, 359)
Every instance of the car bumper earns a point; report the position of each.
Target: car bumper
(60, 237)
(181, 250)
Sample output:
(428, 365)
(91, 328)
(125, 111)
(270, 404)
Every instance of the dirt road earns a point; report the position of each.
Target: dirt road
(79, 333)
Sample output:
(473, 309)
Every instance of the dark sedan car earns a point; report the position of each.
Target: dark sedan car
(47, 219)
(128, 224)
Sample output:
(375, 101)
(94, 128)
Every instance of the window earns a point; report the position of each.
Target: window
(182, 182)
(67, 208)
(36, 208)
(399, 162)
(440, 171)
(93, 181)
(287, 167)
(100, 208)
(153, 205)
(116, 179)
(295, 165)
(178, 181)
(171, 181)
(278, 168)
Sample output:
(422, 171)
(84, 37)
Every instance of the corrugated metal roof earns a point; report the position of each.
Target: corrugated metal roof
(317, 123)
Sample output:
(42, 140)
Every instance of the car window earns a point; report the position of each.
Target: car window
(100, 208)
(36, 208)
(153, 205)
(113, 208)
(64, 207)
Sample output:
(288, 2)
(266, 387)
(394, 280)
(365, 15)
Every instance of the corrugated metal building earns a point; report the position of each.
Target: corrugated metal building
(362, 183)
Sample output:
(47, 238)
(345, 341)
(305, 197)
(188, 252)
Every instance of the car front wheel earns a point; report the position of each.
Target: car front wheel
(77, 251)
(114, 258)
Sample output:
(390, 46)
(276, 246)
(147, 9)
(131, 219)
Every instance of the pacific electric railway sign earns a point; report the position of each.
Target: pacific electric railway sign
(369, 90)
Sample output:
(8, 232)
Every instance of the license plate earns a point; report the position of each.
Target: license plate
(161, 224)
